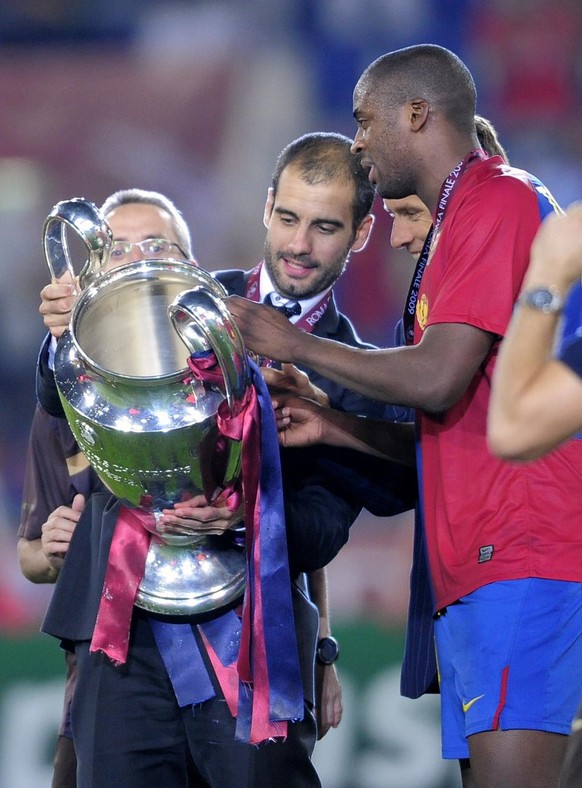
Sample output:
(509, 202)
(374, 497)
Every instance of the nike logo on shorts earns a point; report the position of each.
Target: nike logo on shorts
(469, 703)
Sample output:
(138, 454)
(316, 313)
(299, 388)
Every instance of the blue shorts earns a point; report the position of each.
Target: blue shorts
(510, 657)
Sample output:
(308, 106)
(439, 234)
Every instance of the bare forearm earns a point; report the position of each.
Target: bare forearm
(34, 564)
(319, 596)
(527, 378)
(389, 440)
(388, 375)
(526, 348)
(432, 375)
(536, 399)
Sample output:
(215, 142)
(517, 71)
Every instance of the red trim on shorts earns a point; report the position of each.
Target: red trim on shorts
(502, 698)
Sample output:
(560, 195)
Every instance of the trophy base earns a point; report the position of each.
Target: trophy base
(192, 581)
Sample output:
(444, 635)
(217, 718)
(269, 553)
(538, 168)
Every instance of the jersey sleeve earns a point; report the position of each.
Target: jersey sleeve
(46, 479)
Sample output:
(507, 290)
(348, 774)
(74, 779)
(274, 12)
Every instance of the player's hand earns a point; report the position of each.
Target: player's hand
(196, 517)
(57, 301)
(57, 532)
(328, 699)
(265, 331)
(290, 380)
(556, 252)
(300, 422)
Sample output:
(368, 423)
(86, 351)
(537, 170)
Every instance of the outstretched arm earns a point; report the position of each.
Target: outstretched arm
(302, 422)
(432, 375)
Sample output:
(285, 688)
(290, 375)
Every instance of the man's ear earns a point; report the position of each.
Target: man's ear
(418, 113)
(269, 203)
(363, 233)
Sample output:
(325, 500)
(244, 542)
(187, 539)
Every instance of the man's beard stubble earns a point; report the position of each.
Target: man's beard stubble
(326, 277)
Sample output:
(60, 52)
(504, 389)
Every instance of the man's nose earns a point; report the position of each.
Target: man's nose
(135, 255)
(357, 145)
(300, 243)
(400, 235)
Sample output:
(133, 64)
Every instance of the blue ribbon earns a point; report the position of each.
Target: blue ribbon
(180, 653)
(286, 700)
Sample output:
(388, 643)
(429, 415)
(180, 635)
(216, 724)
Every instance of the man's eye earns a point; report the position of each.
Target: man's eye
(116, 253)
(156, 247)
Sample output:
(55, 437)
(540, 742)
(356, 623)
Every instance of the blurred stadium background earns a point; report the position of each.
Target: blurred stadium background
(196, 99)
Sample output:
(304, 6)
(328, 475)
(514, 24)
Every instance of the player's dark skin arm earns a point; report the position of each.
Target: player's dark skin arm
(303, 423)
(432, 375)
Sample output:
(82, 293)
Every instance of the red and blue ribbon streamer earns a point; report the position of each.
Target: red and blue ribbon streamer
(255, 657)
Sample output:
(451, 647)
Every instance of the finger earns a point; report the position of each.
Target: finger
(56, 290)
(61, 513)
(78, 503)
(192, 503)
(55, 547)
(204, 514)
(54, 301)
(57, 530)
(283, 422)
(192, 529)
(296, 375)
(272, 376)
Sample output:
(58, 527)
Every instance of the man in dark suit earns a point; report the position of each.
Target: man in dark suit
(317, 213)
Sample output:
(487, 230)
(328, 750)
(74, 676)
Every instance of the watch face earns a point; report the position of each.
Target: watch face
(544, 298)
(327, 650)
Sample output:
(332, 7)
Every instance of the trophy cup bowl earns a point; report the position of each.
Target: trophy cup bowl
(146, 425)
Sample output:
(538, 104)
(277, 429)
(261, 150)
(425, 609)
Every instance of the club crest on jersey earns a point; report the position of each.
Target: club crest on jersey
(422, 311)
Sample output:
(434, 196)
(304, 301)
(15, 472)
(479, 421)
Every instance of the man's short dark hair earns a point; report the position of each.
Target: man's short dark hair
(322, 157)
(429, 72)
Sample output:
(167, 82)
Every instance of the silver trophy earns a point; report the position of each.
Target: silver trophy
(146, 425)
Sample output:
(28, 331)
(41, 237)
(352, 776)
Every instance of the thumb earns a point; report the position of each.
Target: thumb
(292, 372)
(78, 503)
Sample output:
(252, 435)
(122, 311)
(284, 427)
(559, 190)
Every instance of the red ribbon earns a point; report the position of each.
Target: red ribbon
(125, 568)
(206, 368)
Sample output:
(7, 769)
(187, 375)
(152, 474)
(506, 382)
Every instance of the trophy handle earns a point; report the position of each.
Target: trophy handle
(201, 319)
(87, 221)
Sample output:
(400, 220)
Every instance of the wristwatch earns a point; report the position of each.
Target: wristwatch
(544, 299)
(327, 651)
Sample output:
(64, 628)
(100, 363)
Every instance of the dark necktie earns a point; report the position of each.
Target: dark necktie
(290, 309)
